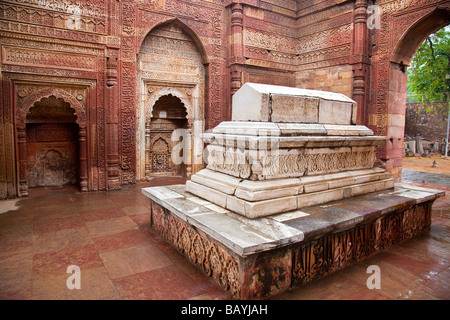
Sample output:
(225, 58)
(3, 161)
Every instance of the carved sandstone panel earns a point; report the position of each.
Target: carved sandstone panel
(269, 41)
(52, 154)
(324, 39)
(333, 252)
(169, 63)
(47, 59)
(211, 258)
(89, 8)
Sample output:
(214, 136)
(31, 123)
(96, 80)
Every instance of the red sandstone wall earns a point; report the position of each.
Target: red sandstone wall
(88, 57)
(325, 33)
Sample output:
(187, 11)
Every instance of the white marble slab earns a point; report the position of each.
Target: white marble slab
(264, 103)
(246, 236)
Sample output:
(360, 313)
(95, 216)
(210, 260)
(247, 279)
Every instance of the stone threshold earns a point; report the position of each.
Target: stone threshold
(236, 251)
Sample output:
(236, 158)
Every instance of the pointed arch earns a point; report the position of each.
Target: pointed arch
(172, 60)
(195, 37)
(426, 22)
(413, 37)
(27, 95)
(154, 97)
(37, 95)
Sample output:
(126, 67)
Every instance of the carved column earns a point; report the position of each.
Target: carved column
(112, 120)
(237, 48)
(188, 147)
(360, 60)
(83, 159)
(22, 159)
(148, 166)
(112, 98)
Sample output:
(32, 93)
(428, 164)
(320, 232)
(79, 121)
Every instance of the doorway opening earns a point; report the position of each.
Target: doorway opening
(166, 145)
(52, 144)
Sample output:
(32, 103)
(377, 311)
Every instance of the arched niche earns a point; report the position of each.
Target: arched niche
(171, 61)
(28, 105)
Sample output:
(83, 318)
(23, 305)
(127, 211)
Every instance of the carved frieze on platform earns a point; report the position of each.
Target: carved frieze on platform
(205, 254)
(259, 258)
(292, 163)
(333, 252)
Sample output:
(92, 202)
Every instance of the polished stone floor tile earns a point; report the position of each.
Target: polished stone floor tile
(101, 214)
(121, 240)
(131, 260)
(168, 283)
(16, 250)
(98, 228)
(95, 284)
(108, 235)
(57, 224)
(57, 262)
(66, 238)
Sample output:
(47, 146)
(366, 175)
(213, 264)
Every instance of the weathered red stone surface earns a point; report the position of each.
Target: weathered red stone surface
(90, 55)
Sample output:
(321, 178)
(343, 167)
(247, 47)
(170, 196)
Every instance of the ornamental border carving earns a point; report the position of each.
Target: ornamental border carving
(241, 164)
(28, 94)
(330, 253)
(215, 262)
(49, 59)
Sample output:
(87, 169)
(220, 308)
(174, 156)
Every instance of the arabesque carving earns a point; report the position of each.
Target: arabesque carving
(215, 262)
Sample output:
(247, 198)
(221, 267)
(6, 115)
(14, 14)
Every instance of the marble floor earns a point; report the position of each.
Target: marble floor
(108, 236)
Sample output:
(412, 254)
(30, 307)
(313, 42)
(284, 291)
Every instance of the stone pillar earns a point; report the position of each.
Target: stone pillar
(112, 97)
(419, 145)
(148, 166)
(112, 120)
(395, 119)
(237, 46)
(360, 60)
(83, 159)
(23, 163)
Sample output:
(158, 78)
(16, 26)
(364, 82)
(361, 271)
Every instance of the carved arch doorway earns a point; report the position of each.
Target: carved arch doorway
(166, 138)
(51, 138)
(171, 61)
(390, 121)
(52, 146)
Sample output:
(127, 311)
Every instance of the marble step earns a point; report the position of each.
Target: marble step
(271, 200)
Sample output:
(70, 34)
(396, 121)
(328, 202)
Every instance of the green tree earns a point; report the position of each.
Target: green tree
(429, 72)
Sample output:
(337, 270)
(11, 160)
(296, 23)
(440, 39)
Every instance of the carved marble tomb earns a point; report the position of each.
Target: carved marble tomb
(285, 149)
(290, 194)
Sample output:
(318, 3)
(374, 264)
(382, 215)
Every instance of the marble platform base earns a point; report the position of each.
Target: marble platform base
(259, 258)
(255, 199)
